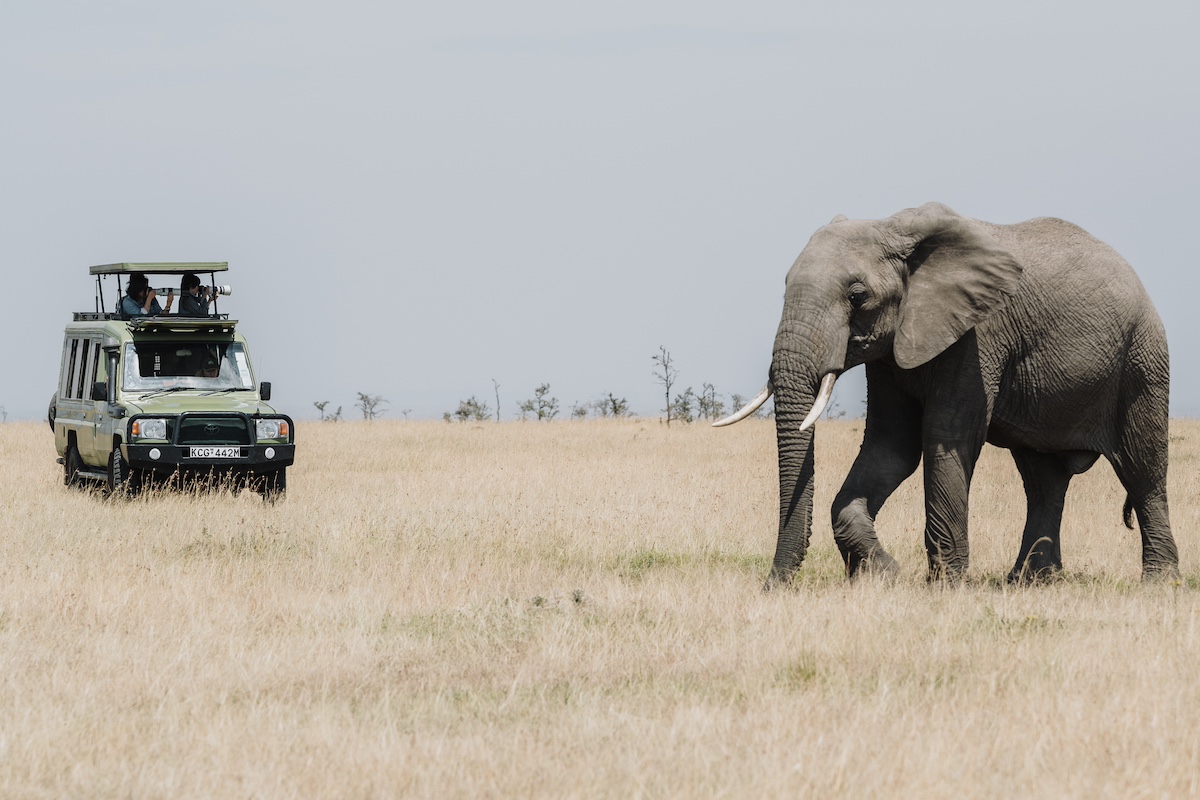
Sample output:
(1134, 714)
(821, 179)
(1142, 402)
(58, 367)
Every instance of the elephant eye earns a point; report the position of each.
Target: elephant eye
(857, 298)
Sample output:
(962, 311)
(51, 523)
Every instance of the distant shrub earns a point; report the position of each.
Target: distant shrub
(541, 405)
(683, 408)
(371, 406)
(611, 406)
(334, 417)
(470, 410)
(709, 404)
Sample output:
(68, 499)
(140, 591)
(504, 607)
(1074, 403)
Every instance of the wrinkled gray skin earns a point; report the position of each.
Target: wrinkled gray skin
(1035, 337)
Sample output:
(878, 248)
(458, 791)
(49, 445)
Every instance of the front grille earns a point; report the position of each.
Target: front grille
(213, 430)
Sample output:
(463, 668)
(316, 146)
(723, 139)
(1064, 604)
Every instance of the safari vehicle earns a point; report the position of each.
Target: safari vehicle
(156, 399)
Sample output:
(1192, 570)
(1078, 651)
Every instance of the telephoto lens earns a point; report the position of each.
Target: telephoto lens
(222, 289)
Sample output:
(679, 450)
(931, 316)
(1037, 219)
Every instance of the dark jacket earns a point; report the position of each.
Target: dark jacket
(190, 306)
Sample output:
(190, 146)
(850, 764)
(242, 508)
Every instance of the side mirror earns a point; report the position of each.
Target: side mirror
(264, 390)
(100, 390)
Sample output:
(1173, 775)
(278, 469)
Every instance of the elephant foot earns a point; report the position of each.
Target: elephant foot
(1161, 573)
(946, 574)
(878, 563)
(778, 579)
(1029, 576)
(1034, 569)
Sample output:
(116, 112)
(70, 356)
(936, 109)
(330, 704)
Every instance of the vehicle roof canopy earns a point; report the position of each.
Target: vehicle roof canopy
(159, 267)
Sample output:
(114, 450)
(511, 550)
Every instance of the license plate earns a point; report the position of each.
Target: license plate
(216, 452)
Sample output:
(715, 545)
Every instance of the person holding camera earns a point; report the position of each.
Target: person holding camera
(140, 300)
(193, 298)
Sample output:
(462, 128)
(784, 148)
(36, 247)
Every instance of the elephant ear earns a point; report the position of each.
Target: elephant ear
(958, 275)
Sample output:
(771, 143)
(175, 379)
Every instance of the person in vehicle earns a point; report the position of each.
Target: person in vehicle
(193, 298)
(140, 300)
(211, 368)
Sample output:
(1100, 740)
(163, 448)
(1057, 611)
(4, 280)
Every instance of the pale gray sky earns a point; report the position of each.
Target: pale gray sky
(417, 198)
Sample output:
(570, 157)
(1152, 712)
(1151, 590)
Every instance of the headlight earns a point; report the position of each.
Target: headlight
(271, 429)
(149, 429)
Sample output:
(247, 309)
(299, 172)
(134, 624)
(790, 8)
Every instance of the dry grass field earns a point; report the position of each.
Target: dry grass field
(574, 610)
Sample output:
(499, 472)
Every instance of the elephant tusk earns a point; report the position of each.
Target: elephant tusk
(747, 409)
(823, 395)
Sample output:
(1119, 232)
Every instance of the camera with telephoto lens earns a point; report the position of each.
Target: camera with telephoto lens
(221, 289)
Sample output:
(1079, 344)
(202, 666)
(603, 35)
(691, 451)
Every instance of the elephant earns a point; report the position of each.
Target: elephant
(1035, 337)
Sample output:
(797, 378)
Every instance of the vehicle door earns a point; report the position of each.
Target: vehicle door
(108, 413)
(89, 409)
(69, 423)
(95, 411)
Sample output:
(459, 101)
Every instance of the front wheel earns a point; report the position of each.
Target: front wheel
(123, 480)
(274, 485)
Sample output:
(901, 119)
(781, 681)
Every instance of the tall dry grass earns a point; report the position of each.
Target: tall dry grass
(574, 610)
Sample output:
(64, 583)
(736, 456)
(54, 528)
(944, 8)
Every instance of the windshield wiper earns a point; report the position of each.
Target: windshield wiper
(230, 389)
(167, 390)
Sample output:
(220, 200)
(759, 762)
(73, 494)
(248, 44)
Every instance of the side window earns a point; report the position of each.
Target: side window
(92, 351)
(66, 390)
(113, 364)
(81, 391)
(98, 371)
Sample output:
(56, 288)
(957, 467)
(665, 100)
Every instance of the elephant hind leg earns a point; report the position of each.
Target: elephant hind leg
(1143, 474)
(1046, 477)
(1140, 461)
(1160, 558)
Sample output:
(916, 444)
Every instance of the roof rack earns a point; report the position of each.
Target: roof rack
(170, 322)
(159, 267)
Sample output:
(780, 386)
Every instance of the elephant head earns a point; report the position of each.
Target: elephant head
(902, 289)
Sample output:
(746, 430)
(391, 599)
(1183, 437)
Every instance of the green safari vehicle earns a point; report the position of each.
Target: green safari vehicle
(151, 399)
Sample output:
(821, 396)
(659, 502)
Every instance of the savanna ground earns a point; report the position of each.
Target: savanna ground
(574, 610)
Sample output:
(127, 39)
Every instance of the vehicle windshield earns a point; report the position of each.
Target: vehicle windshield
(155, 366)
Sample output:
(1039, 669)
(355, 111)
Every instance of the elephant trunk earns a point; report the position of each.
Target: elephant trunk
(794, 399)
(801, 362)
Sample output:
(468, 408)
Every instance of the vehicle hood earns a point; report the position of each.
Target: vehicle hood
(178, 402)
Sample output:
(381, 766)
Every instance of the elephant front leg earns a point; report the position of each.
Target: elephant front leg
(949, 466)
(890, 452)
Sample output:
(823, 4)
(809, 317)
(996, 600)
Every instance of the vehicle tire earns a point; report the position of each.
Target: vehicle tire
(274, 485)
(123, 480)
(72, 463)
(52, 411)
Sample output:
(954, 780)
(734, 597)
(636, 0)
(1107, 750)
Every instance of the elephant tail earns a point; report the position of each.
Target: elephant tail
(1127, 512)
